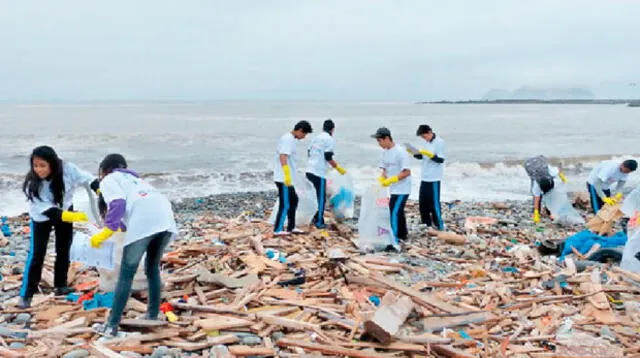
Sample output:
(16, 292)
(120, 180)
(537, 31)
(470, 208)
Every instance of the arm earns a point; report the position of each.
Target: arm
(83, 178)
(404, 173)
(619, 186)
(115, 198)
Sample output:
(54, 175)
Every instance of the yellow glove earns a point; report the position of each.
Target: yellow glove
(427, 153)
(74, 216)
(618, 197)
(171, 317)
(99, 238)
(287, 175)
(536, 216)
(562, 177)
(389, 181)
(341, 170)
(609, 201)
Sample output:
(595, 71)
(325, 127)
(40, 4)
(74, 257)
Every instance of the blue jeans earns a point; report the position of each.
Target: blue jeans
(153, 246)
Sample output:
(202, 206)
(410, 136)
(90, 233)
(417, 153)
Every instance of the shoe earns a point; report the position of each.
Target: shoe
(105, 330)
(24, 303)
(63, 291)
(321, 226)
(298, 232)
(281, 233)
(637, 256)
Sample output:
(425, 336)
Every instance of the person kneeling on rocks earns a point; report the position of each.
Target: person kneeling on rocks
(131, 205)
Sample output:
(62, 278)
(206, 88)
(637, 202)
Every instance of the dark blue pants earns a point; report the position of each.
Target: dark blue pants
(430, 209)
(398, 219)
(596, 201)
(288, 204)
(321, 188)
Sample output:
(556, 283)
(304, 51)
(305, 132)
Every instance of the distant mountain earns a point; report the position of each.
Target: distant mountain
(540, 93)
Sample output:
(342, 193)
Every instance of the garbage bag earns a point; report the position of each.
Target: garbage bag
(584, 241)
(341, 195)
(374, 223)
(307, 202)
(558, 203)
(109, 277)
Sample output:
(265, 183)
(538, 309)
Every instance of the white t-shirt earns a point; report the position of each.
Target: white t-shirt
(606, 174)
(394, 161)
(148, 211)
(535, 187)
(432, 171)
(321, 144)
(73, 178)
(286, 145)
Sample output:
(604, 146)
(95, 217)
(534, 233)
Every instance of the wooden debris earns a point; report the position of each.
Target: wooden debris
(388, 318)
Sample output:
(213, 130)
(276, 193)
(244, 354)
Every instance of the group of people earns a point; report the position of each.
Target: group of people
(395, 174)
(126, 203)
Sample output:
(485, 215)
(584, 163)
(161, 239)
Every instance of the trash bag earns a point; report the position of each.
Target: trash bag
(374, 223)
(629, 262)
(341, 195)
(109, 278)
(563, 213)
(631, 203)
(307, 202)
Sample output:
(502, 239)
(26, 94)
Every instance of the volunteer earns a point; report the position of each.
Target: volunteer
(321, 152)
(146, 218)
(284, 173)
(396, 174)
(543, 178)
(602, 179)
(431, 153)
(49, 187)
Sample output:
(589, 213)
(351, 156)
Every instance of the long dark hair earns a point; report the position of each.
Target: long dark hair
(110, 163)
(32, 182)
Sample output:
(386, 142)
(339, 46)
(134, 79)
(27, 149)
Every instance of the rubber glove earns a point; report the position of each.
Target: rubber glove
(381, 180)
(562, 177)
(536, 216)
(99, 238)
(618, 197)
(608, 200)
(287, 175)
(341, 170)
(73, 216)
(427, 153)
(389, 181)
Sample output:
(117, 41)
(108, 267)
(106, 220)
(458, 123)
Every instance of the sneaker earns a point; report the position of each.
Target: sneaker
(107, 331)
(63, 291)
(637, 256)
(24, 303)
(281, 233)
(298, 231)
(321, 226)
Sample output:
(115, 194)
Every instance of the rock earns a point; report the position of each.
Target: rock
(6, 332)
(22, 318)
(78, 353)
(160, 352)
(131, 354)
(16, 345)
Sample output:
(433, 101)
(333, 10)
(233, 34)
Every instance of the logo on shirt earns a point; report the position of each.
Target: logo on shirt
(382, 231)
(142, 193)
(380, 202)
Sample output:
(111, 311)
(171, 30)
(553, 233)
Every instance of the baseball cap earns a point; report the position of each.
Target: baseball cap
(381, 133)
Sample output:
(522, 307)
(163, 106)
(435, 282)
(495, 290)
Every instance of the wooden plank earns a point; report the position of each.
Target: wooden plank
(141, 349)
(243, 351)
(289, 323)
(222, 322)
(328, 349)
(388, 318)
(103, 351)
(143, 323)
(209, 309)
(438, 323)
(450, 352)
(210, 342)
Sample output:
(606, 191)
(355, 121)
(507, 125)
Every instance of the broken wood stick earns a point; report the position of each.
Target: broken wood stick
(388, 318)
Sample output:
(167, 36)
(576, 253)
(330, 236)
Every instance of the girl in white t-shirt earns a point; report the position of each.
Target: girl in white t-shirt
(145, 216)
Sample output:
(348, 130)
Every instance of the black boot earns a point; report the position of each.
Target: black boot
(25, 302)
(63, 291)
(637, 256)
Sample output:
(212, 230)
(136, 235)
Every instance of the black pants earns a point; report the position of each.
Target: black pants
(321, 188)
(287, 207)
(40, 232)
(430, 210)
(398, 220)
(596, 201)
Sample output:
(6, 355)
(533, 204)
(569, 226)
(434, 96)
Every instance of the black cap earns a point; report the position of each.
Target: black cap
(381, 133)
(422, 129)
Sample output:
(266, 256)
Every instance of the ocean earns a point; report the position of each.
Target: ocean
(191, 150)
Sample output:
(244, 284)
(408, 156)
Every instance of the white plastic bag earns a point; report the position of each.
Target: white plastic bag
(632, 247)
(109, 278)
(558, 203)
(307, 202)
(631, 204)
(341, 194)
(81, 251)
(374, 223)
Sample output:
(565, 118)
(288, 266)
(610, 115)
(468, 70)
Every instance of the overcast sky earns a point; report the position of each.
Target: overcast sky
(322, 49)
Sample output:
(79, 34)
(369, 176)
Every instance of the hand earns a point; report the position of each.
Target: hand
(74, 216)
(99, 238)
(389, 181)
(381, 180)
(562, 177)
(287, 175)
(341, 170)
(609, 201)
(536, 216)
(618, 197)
(427, 153)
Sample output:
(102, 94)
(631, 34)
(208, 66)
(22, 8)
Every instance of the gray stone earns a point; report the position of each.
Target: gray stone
(251, 340)
(131, 354)
(22, 318)
(78, 353)
(6, 332)
(16, 345)
(160, 352)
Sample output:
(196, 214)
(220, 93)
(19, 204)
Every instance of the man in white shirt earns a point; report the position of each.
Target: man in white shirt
(321, 152)
(431, 153)
(396, 174)
(602, 179)
(543, 178)
(284, 172)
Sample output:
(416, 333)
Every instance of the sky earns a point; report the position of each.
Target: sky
(75, 50)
